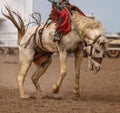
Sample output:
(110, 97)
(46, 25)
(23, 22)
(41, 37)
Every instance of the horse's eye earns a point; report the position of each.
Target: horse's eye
(97, 51)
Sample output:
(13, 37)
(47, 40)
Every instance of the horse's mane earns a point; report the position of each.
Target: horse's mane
(84, 23)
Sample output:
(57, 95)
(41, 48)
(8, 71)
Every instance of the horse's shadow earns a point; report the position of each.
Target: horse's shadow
(100, 97)
(90, 97)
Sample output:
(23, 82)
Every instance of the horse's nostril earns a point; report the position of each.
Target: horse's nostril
(97, 51)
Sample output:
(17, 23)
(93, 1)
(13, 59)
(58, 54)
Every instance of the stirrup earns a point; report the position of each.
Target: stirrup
(56, 38)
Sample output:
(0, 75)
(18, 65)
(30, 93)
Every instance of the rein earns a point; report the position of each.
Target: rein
(40, 36)
(40, 33)
(39, 50)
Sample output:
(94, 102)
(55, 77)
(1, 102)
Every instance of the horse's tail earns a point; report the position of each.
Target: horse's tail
(17, 21)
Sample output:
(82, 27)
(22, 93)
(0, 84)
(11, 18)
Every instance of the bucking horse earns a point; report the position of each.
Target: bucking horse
(36, 45)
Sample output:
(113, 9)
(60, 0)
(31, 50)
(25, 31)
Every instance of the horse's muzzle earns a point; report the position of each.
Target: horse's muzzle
(98, 59)
(96, 69)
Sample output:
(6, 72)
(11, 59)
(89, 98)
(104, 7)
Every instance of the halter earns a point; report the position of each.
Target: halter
(97, 59)
(92, 44)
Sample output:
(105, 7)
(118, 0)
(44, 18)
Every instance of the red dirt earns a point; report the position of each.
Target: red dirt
(100, 93)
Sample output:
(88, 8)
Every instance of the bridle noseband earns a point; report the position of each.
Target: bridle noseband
(97, 59)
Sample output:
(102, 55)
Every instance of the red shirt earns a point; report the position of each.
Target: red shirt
(62, 20)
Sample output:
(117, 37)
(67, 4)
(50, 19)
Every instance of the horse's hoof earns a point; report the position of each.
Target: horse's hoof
(55, 96)
(32, 97)
(76, 97)
(27, 97)
(76, 94)
(43, 95)
(55, 89)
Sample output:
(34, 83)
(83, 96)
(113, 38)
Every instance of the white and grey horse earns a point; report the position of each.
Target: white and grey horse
(37, 48)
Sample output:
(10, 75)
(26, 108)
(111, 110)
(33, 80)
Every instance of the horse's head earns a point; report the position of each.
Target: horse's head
(91, 31)
(95, 50)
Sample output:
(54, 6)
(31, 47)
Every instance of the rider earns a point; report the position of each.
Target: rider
(61, 17)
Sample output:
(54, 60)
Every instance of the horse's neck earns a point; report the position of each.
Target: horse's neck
(87, 28)
(80, 20)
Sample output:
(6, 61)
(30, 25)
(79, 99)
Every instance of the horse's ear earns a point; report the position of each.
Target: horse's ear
(106, 42)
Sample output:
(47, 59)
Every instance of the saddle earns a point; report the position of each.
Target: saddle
(74, 8)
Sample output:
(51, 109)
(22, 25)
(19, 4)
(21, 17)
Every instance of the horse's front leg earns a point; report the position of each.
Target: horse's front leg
(63, 60)
(78, 60)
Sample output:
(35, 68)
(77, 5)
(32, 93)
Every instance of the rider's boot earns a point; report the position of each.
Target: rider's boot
(57, 36)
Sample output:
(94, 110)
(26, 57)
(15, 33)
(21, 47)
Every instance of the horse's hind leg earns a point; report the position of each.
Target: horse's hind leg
(21, 77)
(39, 72)
(78, 60)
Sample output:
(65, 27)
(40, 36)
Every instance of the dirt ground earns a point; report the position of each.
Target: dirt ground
(100, 93)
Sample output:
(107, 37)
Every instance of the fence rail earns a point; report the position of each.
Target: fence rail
(8, 39)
